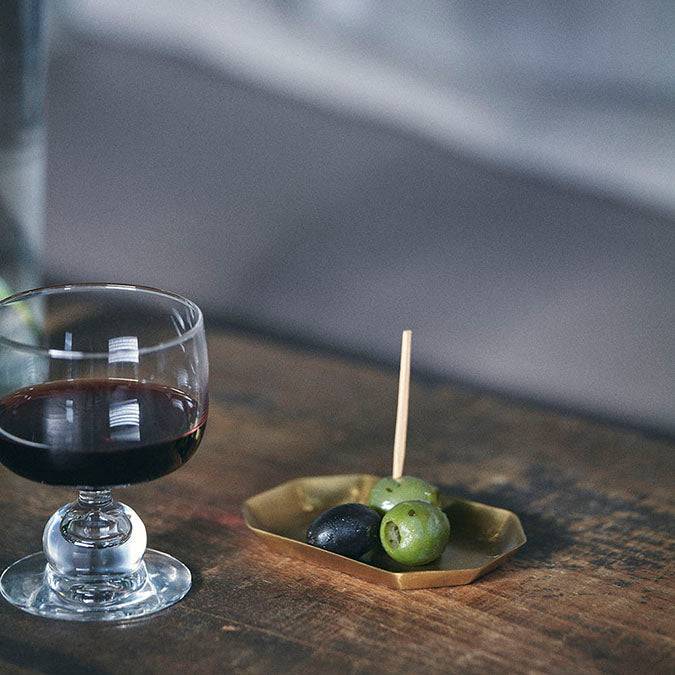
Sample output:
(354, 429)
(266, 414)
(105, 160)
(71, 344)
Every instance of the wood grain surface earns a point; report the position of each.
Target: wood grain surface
(592, 591)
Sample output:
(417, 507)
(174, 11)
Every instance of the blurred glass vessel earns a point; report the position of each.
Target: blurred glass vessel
(101, 385)
(23, 64)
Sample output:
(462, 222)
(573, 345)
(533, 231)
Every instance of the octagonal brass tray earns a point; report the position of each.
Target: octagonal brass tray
(481, 537)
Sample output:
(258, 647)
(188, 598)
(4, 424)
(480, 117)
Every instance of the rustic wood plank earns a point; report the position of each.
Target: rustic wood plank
(592, 591)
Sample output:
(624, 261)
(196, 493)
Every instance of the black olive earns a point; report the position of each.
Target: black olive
(351, 530)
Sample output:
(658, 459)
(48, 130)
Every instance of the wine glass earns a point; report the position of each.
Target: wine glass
(101, 386)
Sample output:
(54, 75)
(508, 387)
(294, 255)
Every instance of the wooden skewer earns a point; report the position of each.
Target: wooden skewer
(402, 407)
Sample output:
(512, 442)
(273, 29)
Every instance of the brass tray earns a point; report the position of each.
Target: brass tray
(481, 537)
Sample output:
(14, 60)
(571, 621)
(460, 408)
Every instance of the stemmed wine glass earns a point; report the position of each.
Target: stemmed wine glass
(101, 385)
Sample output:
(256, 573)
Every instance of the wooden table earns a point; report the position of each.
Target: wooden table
(592, 590)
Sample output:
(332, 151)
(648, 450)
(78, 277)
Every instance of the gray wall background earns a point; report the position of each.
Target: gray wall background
(527, 243)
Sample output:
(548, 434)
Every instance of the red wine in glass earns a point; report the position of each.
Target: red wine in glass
(99, 432)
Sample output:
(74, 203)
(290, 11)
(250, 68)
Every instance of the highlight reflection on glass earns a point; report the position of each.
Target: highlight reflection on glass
(125, 421)
(123, 350)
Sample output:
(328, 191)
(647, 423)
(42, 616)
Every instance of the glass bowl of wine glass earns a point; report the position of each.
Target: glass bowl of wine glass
(101, 386)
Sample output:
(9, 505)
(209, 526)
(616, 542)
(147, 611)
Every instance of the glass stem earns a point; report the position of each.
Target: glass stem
(95, 499)
(95, 520)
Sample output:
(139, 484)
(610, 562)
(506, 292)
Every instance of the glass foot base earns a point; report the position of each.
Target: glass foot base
(25, 585)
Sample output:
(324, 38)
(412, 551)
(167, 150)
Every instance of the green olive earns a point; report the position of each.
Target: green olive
(387, 492)
(414, 532)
